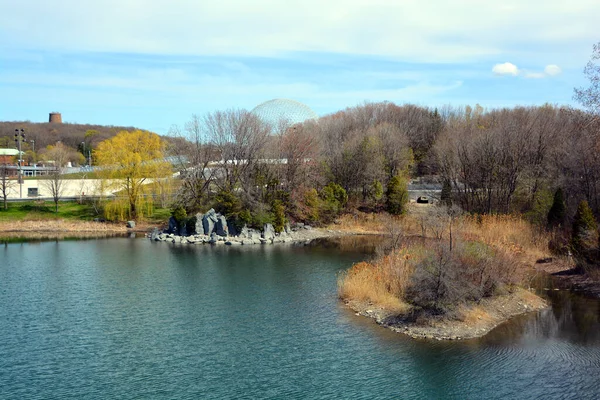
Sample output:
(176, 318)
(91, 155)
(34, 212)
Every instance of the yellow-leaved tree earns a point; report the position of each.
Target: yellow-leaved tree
(130, 160)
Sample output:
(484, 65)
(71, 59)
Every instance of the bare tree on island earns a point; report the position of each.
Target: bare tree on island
(6, 184)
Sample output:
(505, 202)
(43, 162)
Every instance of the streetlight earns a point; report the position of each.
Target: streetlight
(89, 153)
(19, 137)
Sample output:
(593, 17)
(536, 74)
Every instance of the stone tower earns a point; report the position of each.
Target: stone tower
(55, 118)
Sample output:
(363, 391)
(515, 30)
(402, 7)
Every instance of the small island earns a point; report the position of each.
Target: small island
(458, 278)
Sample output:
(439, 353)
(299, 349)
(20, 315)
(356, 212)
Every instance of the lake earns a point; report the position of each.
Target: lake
(129, 318)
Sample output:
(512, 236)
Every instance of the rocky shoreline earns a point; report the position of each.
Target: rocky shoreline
(295, 235)
(480, 319)
(213, 228)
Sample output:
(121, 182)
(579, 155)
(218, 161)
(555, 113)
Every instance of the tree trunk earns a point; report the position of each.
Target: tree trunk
(133, 210)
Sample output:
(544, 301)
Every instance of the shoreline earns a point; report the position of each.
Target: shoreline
(479, 320)
(296, 236)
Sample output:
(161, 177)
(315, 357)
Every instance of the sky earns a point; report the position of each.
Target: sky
(153, 64)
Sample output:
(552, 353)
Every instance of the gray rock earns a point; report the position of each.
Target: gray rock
(221, 226)
(131, 224)
(231, 228)
(287, 228)
(244, 233)
(154, 235)
(172, 226)
(208, 221)
(268, 232)
(232, 242)
(183, 231)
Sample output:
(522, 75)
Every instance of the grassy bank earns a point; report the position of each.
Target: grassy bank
(39, 216)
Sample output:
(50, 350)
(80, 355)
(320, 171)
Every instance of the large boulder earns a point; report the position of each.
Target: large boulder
(183, 230)
(268, 232)
(221, 226)
(172, 226)
(208, 221)
(231, 228)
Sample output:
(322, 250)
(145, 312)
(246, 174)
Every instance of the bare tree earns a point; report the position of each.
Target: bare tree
(54, 182)
(193, 154)
(590, 97)
(7, 185)
(239, 138)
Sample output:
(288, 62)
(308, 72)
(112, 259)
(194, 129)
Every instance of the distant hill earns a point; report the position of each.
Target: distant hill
(45, 134)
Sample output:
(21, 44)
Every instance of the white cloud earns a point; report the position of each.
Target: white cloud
(505, 69)
(552, 70)
(512, 70)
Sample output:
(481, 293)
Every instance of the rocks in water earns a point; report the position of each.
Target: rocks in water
(172, 226)
(214, 228)
(231, 228)
(183, 231)
(268, 232)
(130, 224)
(208, 221)
(221, 226)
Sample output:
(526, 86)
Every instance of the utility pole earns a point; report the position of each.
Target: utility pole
(19, 137)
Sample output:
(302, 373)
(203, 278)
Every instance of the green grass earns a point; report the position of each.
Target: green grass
(36, 210)
(67, 210)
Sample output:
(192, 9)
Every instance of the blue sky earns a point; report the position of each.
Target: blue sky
(154, 63)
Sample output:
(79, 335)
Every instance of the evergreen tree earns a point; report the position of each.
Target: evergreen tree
(278, 215)
(556, 215)
(397, 195)
(446, 195)
(585, 230)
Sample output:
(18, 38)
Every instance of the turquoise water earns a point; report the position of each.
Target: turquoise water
(129, 318)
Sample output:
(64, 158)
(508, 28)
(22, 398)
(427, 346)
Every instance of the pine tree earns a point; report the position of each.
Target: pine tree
(446, 195)
(585, 230)
(397, 195)
(556, 215)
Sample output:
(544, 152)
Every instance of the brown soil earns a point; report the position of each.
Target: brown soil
(476, 319)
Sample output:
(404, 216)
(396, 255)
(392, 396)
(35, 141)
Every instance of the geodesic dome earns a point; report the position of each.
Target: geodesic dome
(290, 111)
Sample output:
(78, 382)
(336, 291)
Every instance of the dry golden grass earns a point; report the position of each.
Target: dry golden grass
(510, 233)
(60, 226)
(381, 283)
(384, 282)
(359, 222)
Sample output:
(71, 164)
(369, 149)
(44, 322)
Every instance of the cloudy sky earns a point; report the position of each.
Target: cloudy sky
(154, 63)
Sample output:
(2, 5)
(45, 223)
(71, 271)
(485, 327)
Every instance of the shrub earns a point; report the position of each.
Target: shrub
(228, 204)
(278, 215)
(311, 205)
(397, 195)
(376, 191)
(179, 214)
(334, 199)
